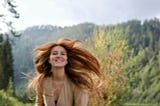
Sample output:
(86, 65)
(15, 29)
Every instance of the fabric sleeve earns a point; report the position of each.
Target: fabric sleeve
(80, 97)
(39, 98)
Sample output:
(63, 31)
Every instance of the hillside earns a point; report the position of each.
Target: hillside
(36, 35)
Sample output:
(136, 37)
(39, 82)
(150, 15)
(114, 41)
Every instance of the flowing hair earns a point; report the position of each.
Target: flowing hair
(82, 67)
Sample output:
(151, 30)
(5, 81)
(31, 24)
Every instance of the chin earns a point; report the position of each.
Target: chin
(59, 65)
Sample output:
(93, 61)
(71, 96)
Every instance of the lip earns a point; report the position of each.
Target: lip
(59, 60)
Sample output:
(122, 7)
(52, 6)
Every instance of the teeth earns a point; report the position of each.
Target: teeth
(58, 61)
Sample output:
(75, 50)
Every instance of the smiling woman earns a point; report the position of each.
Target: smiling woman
(58, 57)
(64, 74)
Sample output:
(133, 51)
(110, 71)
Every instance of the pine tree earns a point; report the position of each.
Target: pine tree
(6, 64)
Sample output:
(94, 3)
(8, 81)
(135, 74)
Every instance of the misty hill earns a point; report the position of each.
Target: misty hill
(36, 35)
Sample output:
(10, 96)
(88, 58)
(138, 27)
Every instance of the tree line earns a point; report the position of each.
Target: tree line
(129, 53)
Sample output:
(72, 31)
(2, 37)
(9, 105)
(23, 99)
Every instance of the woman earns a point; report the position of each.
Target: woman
(64, 74)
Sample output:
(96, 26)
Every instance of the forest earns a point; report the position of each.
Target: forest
(129, 53)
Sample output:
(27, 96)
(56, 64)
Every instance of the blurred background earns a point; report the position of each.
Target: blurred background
(123, 34)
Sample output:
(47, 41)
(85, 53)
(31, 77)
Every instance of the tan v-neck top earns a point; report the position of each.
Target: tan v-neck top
(70, 94)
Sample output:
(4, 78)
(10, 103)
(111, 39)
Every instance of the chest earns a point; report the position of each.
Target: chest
(62, 92)
(57, 87)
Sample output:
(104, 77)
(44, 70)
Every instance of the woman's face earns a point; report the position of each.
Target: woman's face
(58, 56)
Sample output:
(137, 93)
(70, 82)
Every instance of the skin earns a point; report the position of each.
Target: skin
(58, 60)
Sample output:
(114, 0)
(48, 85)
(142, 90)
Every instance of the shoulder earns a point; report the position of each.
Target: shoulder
(76, 89)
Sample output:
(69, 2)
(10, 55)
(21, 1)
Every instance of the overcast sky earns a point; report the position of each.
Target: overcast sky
(72, 12)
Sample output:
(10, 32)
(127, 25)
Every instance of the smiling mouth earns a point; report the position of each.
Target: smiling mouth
(59, 60)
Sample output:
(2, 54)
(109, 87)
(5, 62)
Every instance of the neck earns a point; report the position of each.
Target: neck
(58, 73)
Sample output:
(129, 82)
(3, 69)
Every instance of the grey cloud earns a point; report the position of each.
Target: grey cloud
(110, 11)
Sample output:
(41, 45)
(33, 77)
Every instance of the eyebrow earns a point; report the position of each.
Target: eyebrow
(57, 51)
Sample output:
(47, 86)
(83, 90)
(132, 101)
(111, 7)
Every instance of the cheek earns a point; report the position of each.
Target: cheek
(66, 58)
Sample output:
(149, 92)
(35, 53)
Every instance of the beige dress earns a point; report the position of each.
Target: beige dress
(70, 95)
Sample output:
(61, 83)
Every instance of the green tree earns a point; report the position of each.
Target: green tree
(6, 59)
(110, 46)
(144, 71)
(6, 63)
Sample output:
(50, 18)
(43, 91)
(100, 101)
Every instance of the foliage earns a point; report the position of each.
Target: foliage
(10, 88)
(8, 97)
(143, 76)
(110, 46)
(6, 63)
(6, 59)
(7, 100)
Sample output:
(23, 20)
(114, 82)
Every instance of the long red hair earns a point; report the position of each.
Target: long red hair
(81, 68)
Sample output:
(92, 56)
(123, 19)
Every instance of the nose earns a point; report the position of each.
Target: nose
(58, 55)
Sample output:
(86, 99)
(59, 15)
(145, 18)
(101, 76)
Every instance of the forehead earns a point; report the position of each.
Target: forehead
(58, 48)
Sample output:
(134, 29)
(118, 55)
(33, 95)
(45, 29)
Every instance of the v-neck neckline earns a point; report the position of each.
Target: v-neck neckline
(60, 94)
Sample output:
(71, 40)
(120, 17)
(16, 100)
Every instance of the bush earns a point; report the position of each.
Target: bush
(7, 100)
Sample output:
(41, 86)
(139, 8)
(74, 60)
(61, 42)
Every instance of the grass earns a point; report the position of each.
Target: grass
(138, 104)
